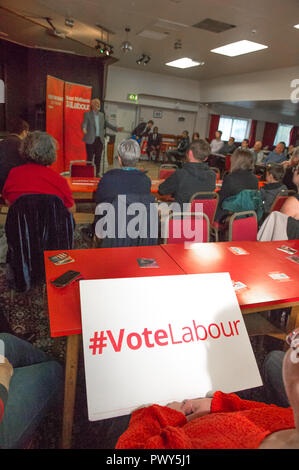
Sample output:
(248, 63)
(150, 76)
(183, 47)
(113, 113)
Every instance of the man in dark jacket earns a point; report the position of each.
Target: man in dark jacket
(154, 144)
(195, 175)
(10, 150)
(180, 153)
(142, 130)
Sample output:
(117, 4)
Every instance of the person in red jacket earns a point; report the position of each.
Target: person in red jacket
(222, 422)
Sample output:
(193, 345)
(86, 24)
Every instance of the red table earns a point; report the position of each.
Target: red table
(252, 269)
(64, 303)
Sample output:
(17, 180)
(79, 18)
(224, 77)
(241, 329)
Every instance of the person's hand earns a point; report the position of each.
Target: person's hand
(192, 408)
(84, 131)
(6, 371)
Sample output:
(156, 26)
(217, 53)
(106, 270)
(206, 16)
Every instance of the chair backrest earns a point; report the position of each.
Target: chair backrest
(227, 162)
(278, 203)
(167, 170)
(82, 168)
(35, 223)
(187, 227)
(209, 201)
(243, 226)
(217, 171)
(120, 227)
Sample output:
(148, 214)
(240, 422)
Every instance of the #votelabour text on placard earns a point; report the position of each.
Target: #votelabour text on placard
(159, 339)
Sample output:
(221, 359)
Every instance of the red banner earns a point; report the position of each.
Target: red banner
(54, 117)
(76, 103)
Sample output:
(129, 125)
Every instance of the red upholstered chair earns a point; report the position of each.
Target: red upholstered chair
(227, 162)
(217, 171)
(278, 203)
(82, 168)
(188, 227)
(209, 200)
(243, 229)
(167, 170)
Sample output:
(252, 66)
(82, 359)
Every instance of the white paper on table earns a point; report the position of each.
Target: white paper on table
(119, 382)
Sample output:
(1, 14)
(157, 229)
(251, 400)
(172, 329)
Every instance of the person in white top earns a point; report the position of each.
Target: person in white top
(217, 143)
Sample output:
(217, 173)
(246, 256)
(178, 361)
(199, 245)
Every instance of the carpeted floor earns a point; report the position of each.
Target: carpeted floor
(27, 317)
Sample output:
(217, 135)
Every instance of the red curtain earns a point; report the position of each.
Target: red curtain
(214, 123)
(252, 133)
(269, 133)
(294, 135)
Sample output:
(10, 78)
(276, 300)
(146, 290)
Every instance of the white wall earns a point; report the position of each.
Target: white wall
(122, 81)
(270, 85)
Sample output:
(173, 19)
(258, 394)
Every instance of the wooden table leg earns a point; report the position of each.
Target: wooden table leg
(293, 321)
(71, 366)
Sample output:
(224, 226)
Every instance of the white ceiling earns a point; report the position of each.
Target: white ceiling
(272, 21)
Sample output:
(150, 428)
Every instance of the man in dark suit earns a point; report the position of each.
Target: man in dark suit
(153, 144)
(142, 130)
(93, 127)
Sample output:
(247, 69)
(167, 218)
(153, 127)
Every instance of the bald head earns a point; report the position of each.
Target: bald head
(258, 146)
(95, 104)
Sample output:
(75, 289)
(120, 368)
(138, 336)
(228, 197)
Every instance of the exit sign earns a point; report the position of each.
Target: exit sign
(133, 97)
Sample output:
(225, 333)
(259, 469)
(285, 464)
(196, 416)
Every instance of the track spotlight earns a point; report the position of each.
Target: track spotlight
(144, 59)
(139, 61)
(103, 48)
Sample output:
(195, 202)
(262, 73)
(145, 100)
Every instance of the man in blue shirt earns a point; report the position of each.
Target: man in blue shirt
(277, 155)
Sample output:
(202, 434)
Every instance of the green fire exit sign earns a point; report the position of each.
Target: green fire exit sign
(133, 97)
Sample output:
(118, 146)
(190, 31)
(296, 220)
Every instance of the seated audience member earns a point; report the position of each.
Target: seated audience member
(222, 422)
(180, 153)
(217, 143)
(245, 144)
(142, 130)
(291, 206)
(195, 136)
(30, 383)
(34, 177)
(277, 155)
(274, 186)
(126, 179)
(240, 177)
(10, 150)
(289, 166)
(154, 144)
(136, 186)
(290, 151)
(258, 154)
(193, 177)
(229, 147)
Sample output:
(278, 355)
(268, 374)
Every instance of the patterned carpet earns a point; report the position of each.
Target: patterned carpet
(28, 317)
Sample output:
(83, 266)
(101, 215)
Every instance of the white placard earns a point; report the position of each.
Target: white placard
(159, 339)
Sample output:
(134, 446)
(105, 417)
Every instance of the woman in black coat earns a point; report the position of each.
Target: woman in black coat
(241, 177)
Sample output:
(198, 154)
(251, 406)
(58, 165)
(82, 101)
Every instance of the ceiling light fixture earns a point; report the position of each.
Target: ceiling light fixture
(239, 48)
(296, 26)
(184, 63)
(144, 59)
(126, 46)
(104, 48)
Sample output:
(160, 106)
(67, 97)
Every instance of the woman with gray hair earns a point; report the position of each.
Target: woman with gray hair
(35, 176)
(240, 177)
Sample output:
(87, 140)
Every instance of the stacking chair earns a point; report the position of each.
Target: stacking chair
(35, 223)
(167, 170)
(82, 168)
(243, 226)
(187, 227)
(210, 204)
(278, 202)
(217, 171)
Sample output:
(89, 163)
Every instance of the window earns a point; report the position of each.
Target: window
(234, 127)
(283, 134)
